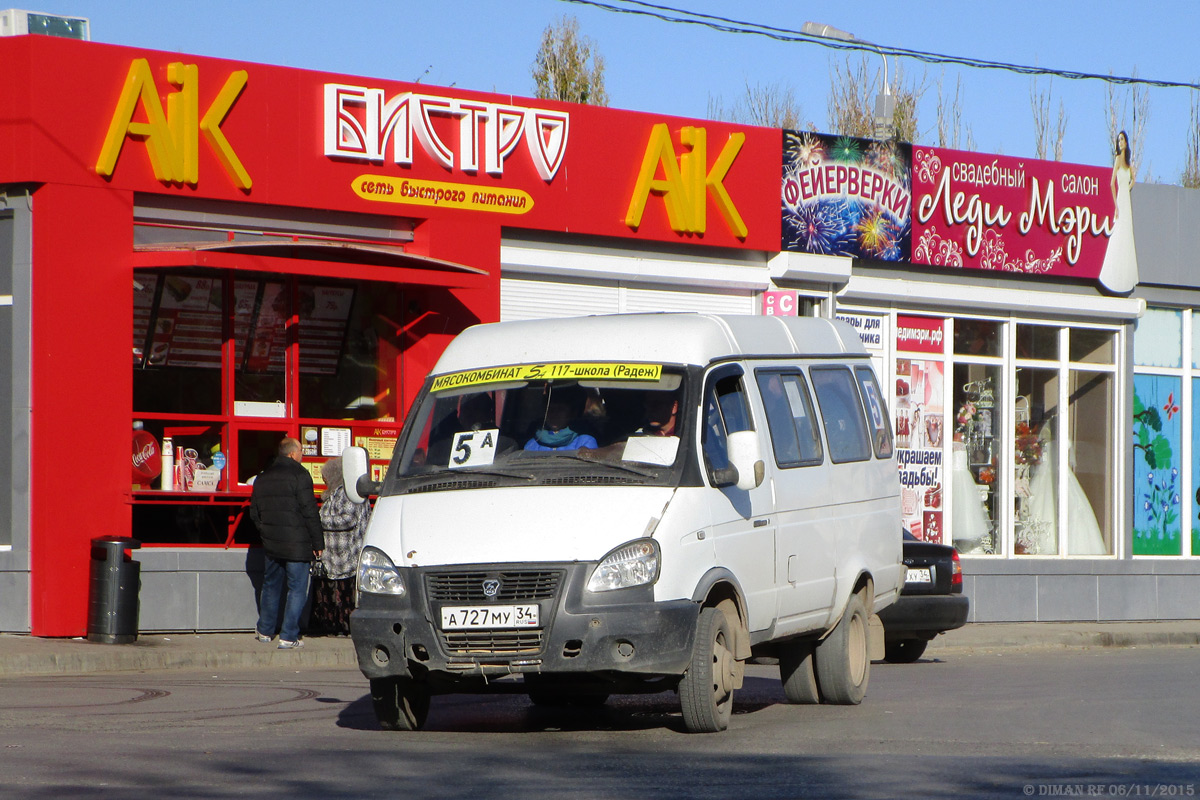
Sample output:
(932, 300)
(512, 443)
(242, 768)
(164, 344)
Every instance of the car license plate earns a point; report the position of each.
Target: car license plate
(918, 575)
(457, 618)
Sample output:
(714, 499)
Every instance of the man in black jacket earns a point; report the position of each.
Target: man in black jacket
(284, 509)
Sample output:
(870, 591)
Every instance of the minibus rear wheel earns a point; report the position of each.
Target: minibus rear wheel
(797, 674)
(843, 658)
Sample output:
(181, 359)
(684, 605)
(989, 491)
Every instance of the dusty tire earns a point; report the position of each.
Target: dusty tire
(905, 651)
(706, 689)
(797, 674)
(401, 704)
(843, 661)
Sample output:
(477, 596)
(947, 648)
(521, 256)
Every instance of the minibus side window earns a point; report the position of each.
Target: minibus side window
(726, 411)
(794, 435)
(842, 414)
(876, 412)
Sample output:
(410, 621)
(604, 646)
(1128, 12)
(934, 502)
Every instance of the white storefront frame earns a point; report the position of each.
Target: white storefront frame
(869, 294)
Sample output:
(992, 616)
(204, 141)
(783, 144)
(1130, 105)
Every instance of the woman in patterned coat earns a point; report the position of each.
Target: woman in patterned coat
(344, 523)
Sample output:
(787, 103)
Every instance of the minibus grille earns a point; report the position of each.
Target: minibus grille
(517, 586)
(491, 643)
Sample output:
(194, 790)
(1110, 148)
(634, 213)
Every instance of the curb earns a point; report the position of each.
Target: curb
(22, 655)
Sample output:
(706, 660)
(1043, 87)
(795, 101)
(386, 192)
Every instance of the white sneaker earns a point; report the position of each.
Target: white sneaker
(259, 637)
(284, 644)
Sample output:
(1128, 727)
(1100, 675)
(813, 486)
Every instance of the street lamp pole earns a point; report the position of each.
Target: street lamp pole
(885, 101)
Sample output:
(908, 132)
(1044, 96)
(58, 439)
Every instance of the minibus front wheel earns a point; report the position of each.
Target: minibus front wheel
(706, 689)
(401, 704)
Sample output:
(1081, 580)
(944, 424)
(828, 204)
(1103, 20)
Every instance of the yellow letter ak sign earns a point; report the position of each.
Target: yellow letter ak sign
(685, 184)
(172, 138)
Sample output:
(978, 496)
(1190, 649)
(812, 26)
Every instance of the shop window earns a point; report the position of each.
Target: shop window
(177, 334)
(1157, 461)
(1090, 346)
(1166, 388)
(226, 365)
(1035, 412)
(261, 311)
(349, 351)
(1037, 342)
(920, 427)
(976, 337)
(1087, 469)
(1158, 339)
(975, 453)
(256, 449)
(1195, 515)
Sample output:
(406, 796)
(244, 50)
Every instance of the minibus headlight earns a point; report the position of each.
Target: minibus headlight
(377, 574)
(632, 564)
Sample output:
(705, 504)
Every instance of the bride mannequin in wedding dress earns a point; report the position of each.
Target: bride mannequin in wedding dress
(1119, 273)
(1084, 536)
(970, 527)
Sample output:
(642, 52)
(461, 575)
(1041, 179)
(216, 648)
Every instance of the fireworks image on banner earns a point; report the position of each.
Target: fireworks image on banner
(846, 196)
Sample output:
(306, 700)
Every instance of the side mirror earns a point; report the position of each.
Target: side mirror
(745, 456)
(356, 475)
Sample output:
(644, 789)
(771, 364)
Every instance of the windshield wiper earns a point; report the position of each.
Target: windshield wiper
(602, 463)
(468, 472)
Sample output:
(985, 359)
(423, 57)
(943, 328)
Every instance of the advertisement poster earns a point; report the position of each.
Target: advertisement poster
(920, 423)
(978, 211)
(1157, 464)
(871, 328)
(846, 197)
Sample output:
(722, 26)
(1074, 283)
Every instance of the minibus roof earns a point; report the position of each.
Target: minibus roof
(662, 338)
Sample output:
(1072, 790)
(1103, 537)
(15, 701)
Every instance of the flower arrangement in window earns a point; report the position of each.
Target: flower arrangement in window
(968, 415)
(1028, 445)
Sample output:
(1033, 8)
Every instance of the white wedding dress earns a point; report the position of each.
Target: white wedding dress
(1040, 515)
(1119, 273)
(969, 523)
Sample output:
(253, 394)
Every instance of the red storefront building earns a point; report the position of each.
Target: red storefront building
(287, 252)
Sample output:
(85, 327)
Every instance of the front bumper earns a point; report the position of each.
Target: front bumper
(917, 616)
(581, 632)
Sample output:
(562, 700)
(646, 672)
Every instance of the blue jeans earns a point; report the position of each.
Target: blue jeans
(275, 573)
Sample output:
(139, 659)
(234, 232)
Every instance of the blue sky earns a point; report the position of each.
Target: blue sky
(669, 68)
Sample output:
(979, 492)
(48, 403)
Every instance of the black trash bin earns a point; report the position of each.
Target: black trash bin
(113, 591)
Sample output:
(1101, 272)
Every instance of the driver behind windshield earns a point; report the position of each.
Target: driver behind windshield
(555, 432)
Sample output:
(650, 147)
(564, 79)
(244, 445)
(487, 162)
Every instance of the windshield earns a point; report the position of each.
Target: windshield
(623, 426)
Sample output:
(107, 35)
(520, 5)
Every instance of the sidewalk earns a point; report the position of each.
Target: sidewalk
(28, 655)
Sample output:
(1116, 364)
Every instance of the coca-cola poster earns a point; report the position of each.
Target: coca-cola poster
(147, 460)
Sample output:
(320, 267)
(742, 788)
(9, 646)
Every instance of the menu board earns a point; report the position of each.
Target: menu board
(178, 321)
(324, 312)
(187, 325)
(268, 333)
(145, 287)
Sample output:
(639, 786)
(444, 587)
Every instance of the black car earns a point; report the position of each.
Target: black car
(930, 603)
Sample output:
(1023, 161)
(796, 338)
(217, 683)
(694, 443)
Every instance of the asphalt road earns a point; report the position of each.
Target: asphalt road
(1106, 722)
